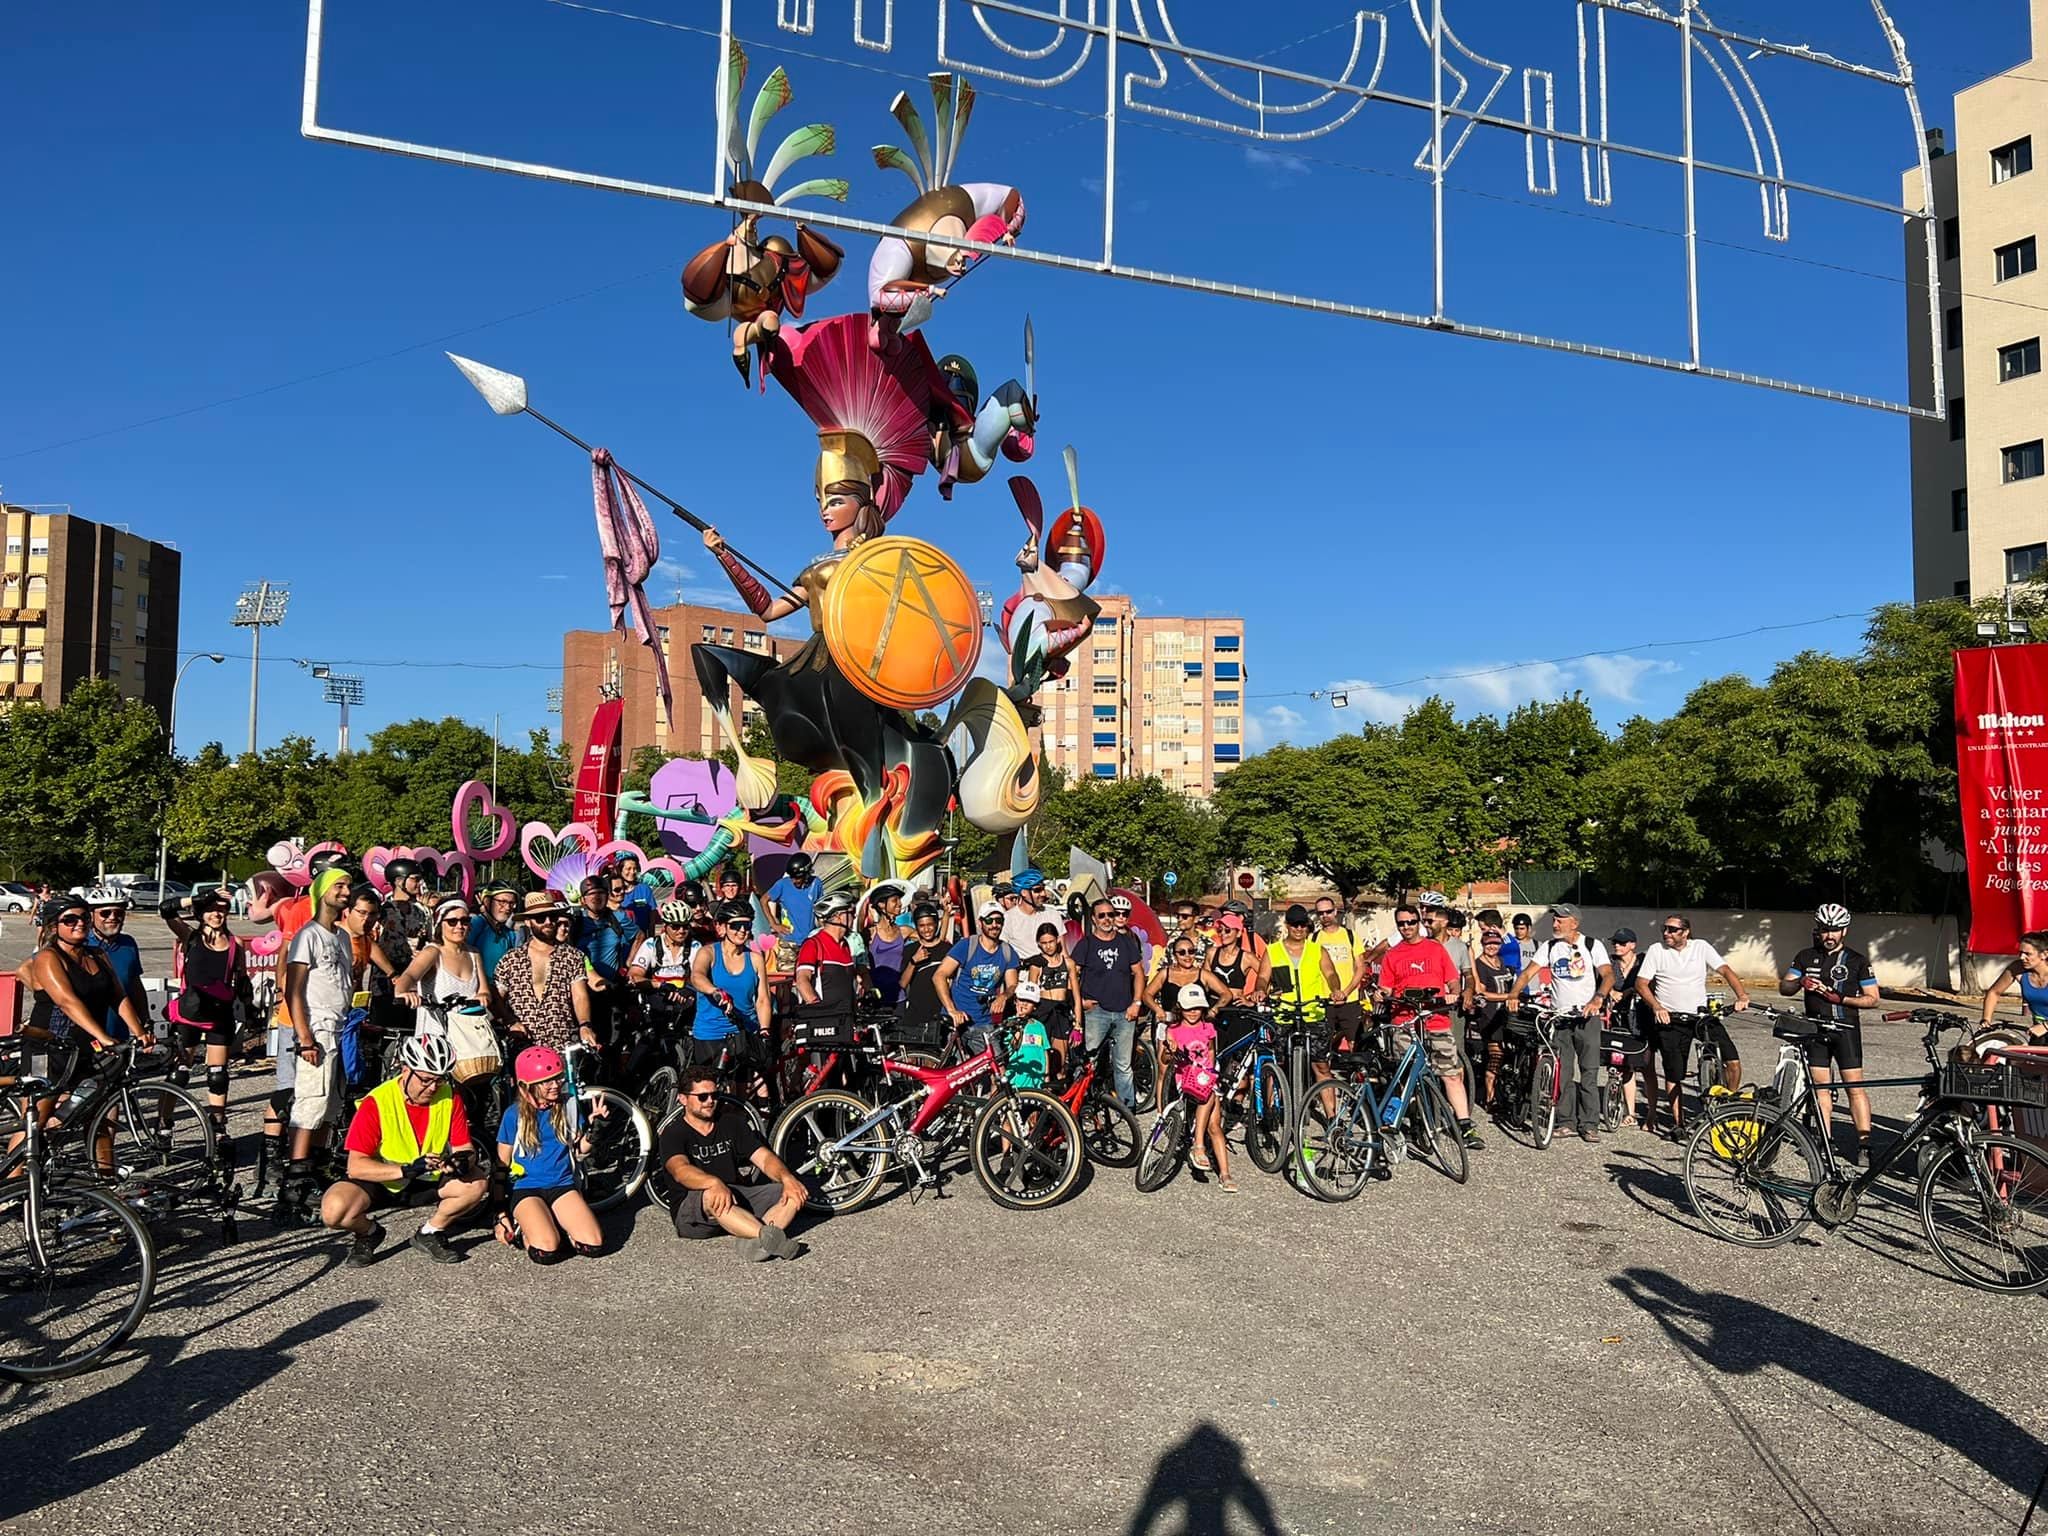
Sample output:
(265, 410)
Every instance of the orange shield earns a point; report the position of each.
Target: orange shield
(902, 622)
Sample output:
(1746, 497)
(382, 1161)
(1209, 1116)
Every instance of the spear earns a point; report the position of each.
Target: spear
(505, 394)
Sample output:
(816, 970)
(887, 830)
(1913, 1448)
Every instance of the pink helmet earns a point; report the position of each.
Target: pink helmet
(538, 1063)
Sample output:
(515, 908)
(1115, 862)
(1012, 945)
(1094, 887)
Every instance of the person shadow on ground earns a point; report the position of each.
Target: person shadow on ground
(54, 1453)
(1198, 1481)
(1738, 1337)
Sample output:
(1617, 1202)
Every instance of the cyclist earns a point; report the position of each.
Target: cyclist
(214, 977)
(733, 1008)
(109, 921)
(1347, 1011)
(75, 989)
(1049, 969)
(1673, 979)
(1299, 977)
(548, 1215)
(635, 898)
(922, 953)
(408, 1145)
(825, 972)
(793, 899)
(405, 923)
(1030, 1040)
(1232, 962)
(1020, 922)
(1520, 940)
(885, 945)
(492, 933)
(1180, 968)
(539, 987)
(1624, 952)
(2030, 974)
(1437, 921)
(1417, 962)
(446, 972)
(1109, 974)
(663, 959)
(705, 1150)
(1121, 904)
(319, 988)
(1581, 986)
(976, 976)
(1837, 981)
(1492, 989)
(605, 938)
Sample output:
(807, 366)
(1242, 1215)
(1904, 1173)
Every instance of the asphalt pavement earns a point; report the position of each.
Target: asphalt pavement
(1557, 1345)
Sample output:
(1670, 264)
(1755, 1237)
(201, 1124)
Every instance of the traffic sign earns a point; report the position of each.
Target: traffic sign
(1246, 881)
(1171, 879)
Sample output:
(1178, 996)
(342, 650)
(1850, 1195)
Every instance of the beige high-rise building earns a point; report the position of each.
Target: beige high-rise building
(1980, 480)
(1149, 696)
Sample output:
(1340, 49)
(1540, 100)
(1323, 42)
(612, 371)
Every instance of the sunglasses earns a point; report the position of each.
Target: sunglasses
(459, 917)
(1102, 912)
(1407, 922)
(991, 918)
(72, 920)
(742, 922)
(709, 1093)
(1326, 911)
(1673, 928)
(1183, 954)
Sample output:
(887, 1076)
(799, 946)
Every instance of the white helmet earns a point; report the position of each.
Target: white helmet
(1831, 914)
(1435, 899)
(1121, 902)
(1030, 992)
(832, 906)
(428, 1053)
(674, 912)
(107, 896)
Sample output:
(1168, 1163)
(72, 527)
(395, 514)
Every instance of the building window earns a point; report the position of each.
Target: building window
(1225, 752)
(120, 561)
(38, 547)
(726, 634)
(1226, 671)
(14, 544)
(8, 654)
(2019, 360)
(1226, 696)
(1105, 685)
(1959, 511)
(114, 662)
(2023, 562)
(142, 569)
(2022, 461)
(141, 602)
(1104, 621)
(1952, 328)
(1105, 738)
(1191, 669)
(1951, 239)
(1228, 642)
(1955, 419)
(117, 631)
(1105, 711)
(710, 634)
(1105, 770)
(119, 595)
(1104, 655)
(2010, 160)
(1226, 725)
(32, 657)
(1962, 589)
(2015, 260)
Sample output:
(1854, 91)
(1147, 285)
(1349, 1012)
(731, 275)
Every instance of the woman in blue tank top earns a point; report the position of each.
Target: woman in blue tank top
(2030, 971)
(732, 987)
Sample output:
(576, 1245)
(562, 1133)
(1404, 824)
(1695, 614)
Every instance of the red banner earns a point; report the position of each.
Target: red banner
(2002, 781)
(597, 780)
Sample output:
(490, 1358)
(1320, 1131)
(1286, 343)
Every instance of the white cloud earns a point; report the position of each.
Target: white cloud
(1278, 162)
(1481, 689)
(1273, 725)
(1615, 677)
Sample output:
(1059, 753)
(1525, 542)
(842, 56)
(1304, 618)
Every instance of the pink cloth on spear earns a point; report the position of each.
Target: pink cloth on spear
(626, 535)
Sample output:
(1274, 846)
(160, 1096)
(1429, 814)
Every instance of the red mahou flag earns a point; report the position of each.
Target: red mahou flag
(2002, 782)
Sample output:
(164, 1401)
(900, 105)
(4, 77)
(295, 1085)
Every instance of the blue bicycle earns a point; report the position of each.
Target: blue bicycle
(1252, 1089)
(1371, 1116)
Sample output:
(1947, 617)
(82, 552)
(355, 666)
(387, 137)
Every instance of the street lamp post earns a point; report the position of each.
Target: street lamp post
(257, 609)
(163, 846)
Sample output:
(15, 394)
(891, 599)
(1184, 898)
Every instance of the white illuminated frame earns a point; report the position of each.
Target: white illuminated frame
(1079, 26)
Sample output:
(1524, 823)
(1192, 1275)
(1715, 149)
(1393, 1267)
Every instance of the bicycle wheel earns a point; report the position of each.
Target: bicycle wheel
(1986, 1213)
(657, 1096)
(155, 1138)
(1266, 1120)
(839, 1181)
(1611, 1103)
(1707, 1075)
(1160, 1160)
(1335, 1141)
(1144, 1077)
(1750, 1174)
(1109, 1131)
(1027, 1150)
(70, 1297)
(1442, 1142)
(621, 1147)
(1543, 1099)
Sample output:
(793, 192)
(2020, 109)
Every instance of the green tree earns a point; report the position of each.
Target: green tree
(82, 785)
(227, 812)
(1140, 826)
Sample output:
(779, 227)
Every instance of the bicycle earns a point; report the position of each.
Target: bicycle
(1023, 1144)
(1109, 1131)
(1757, 1172)
(621, 1143)
(1707, 1071)
(77, 1265)
(1346, 1127)
(1252, 1092)
(1623, 1052)
(1526, 1083)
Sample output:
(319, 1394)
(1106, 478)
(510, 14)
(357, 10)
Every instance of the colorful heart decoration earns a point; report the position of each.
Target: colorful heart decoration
(474, 803)
(618, 848)
(543, 846)
(374, 860)
(458, 867)
(662, 875)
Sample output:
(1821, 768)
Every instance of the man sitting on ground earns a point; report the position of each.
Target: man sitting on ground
(709, 1151)
(408, 1145)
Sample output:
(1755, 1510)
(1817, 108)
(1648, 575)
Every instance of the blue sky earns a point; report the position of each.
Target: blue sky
(1383, 507)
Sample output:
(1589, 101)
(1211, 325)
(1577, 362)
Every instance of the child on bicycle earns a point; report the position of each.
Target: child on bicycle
(1191, 1039)
(536, 1145)
(1030, 1044)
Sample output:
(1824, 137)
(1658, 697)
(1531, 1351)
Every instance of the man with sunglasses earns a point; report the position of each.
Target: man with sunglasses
(538, 988)
(731, 1182)
(1109, 970)
(1581, 974)
(492, 933)
(1673, 979)
(1418, 963)
(1347, 1012)
(408, 1145)
(976, 975)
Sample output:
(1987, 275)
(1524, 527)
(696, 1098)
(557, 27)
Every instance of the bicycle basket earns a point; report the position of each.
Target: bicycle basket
(820, 1026)
(927, 1034)
(2004, 1084)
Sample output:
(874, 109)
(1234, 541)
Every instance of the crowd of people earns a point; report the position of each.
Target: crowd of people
(519, 979)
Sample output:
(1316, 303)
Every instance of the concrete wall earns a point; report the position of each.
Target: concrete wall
(1907, 950)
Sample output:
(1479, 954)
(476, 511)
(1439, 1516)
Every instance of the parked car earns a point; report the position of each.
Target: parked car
(238, 894)
(16, 897)
(147, 897)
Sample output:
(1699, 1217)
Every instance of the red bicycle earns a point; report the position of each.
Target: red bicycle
(1108, 1130)
(1024, 1145)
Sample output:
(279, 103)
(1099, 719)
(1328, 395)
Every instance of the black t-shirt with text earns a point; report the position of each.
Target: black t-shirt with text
(1104, 966)
(729, 1147)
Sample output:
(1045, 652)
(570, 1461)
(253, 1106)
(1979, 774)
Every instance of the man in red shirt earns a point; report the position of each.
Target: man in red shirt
(825, 974)
(423, 1156)
(1419, 964)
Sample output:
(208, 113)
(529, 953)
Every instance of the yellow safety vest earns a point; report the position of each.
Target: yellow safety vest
(1308, 984)
(395, 1140)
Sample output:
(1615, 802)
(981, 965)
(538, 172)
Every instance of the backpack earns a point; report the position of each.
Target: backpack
(359, 1054)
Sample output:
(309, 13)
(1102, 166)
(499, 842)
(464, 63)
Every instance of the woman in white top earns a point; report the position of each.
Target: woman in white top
(446, 972)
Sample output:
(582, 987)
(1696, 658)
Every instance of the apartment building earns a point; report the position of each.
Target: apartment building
(1979, 479)
(1149, 695)
(596, 661)
(80, 600)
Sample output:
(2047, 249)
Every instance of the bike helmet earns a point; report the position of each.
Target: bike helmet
(57, 906)
(1121, 902)
(1831, 914)
(398, 871)
(428, 1053)
(538, 1063)
(1193, 995)
(327, 858)
(673, 912)
(690, 893)
(1030, 880)
(106, 896)
(832, 906)
(1435, 899)
(736, 912)
(798, 868)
